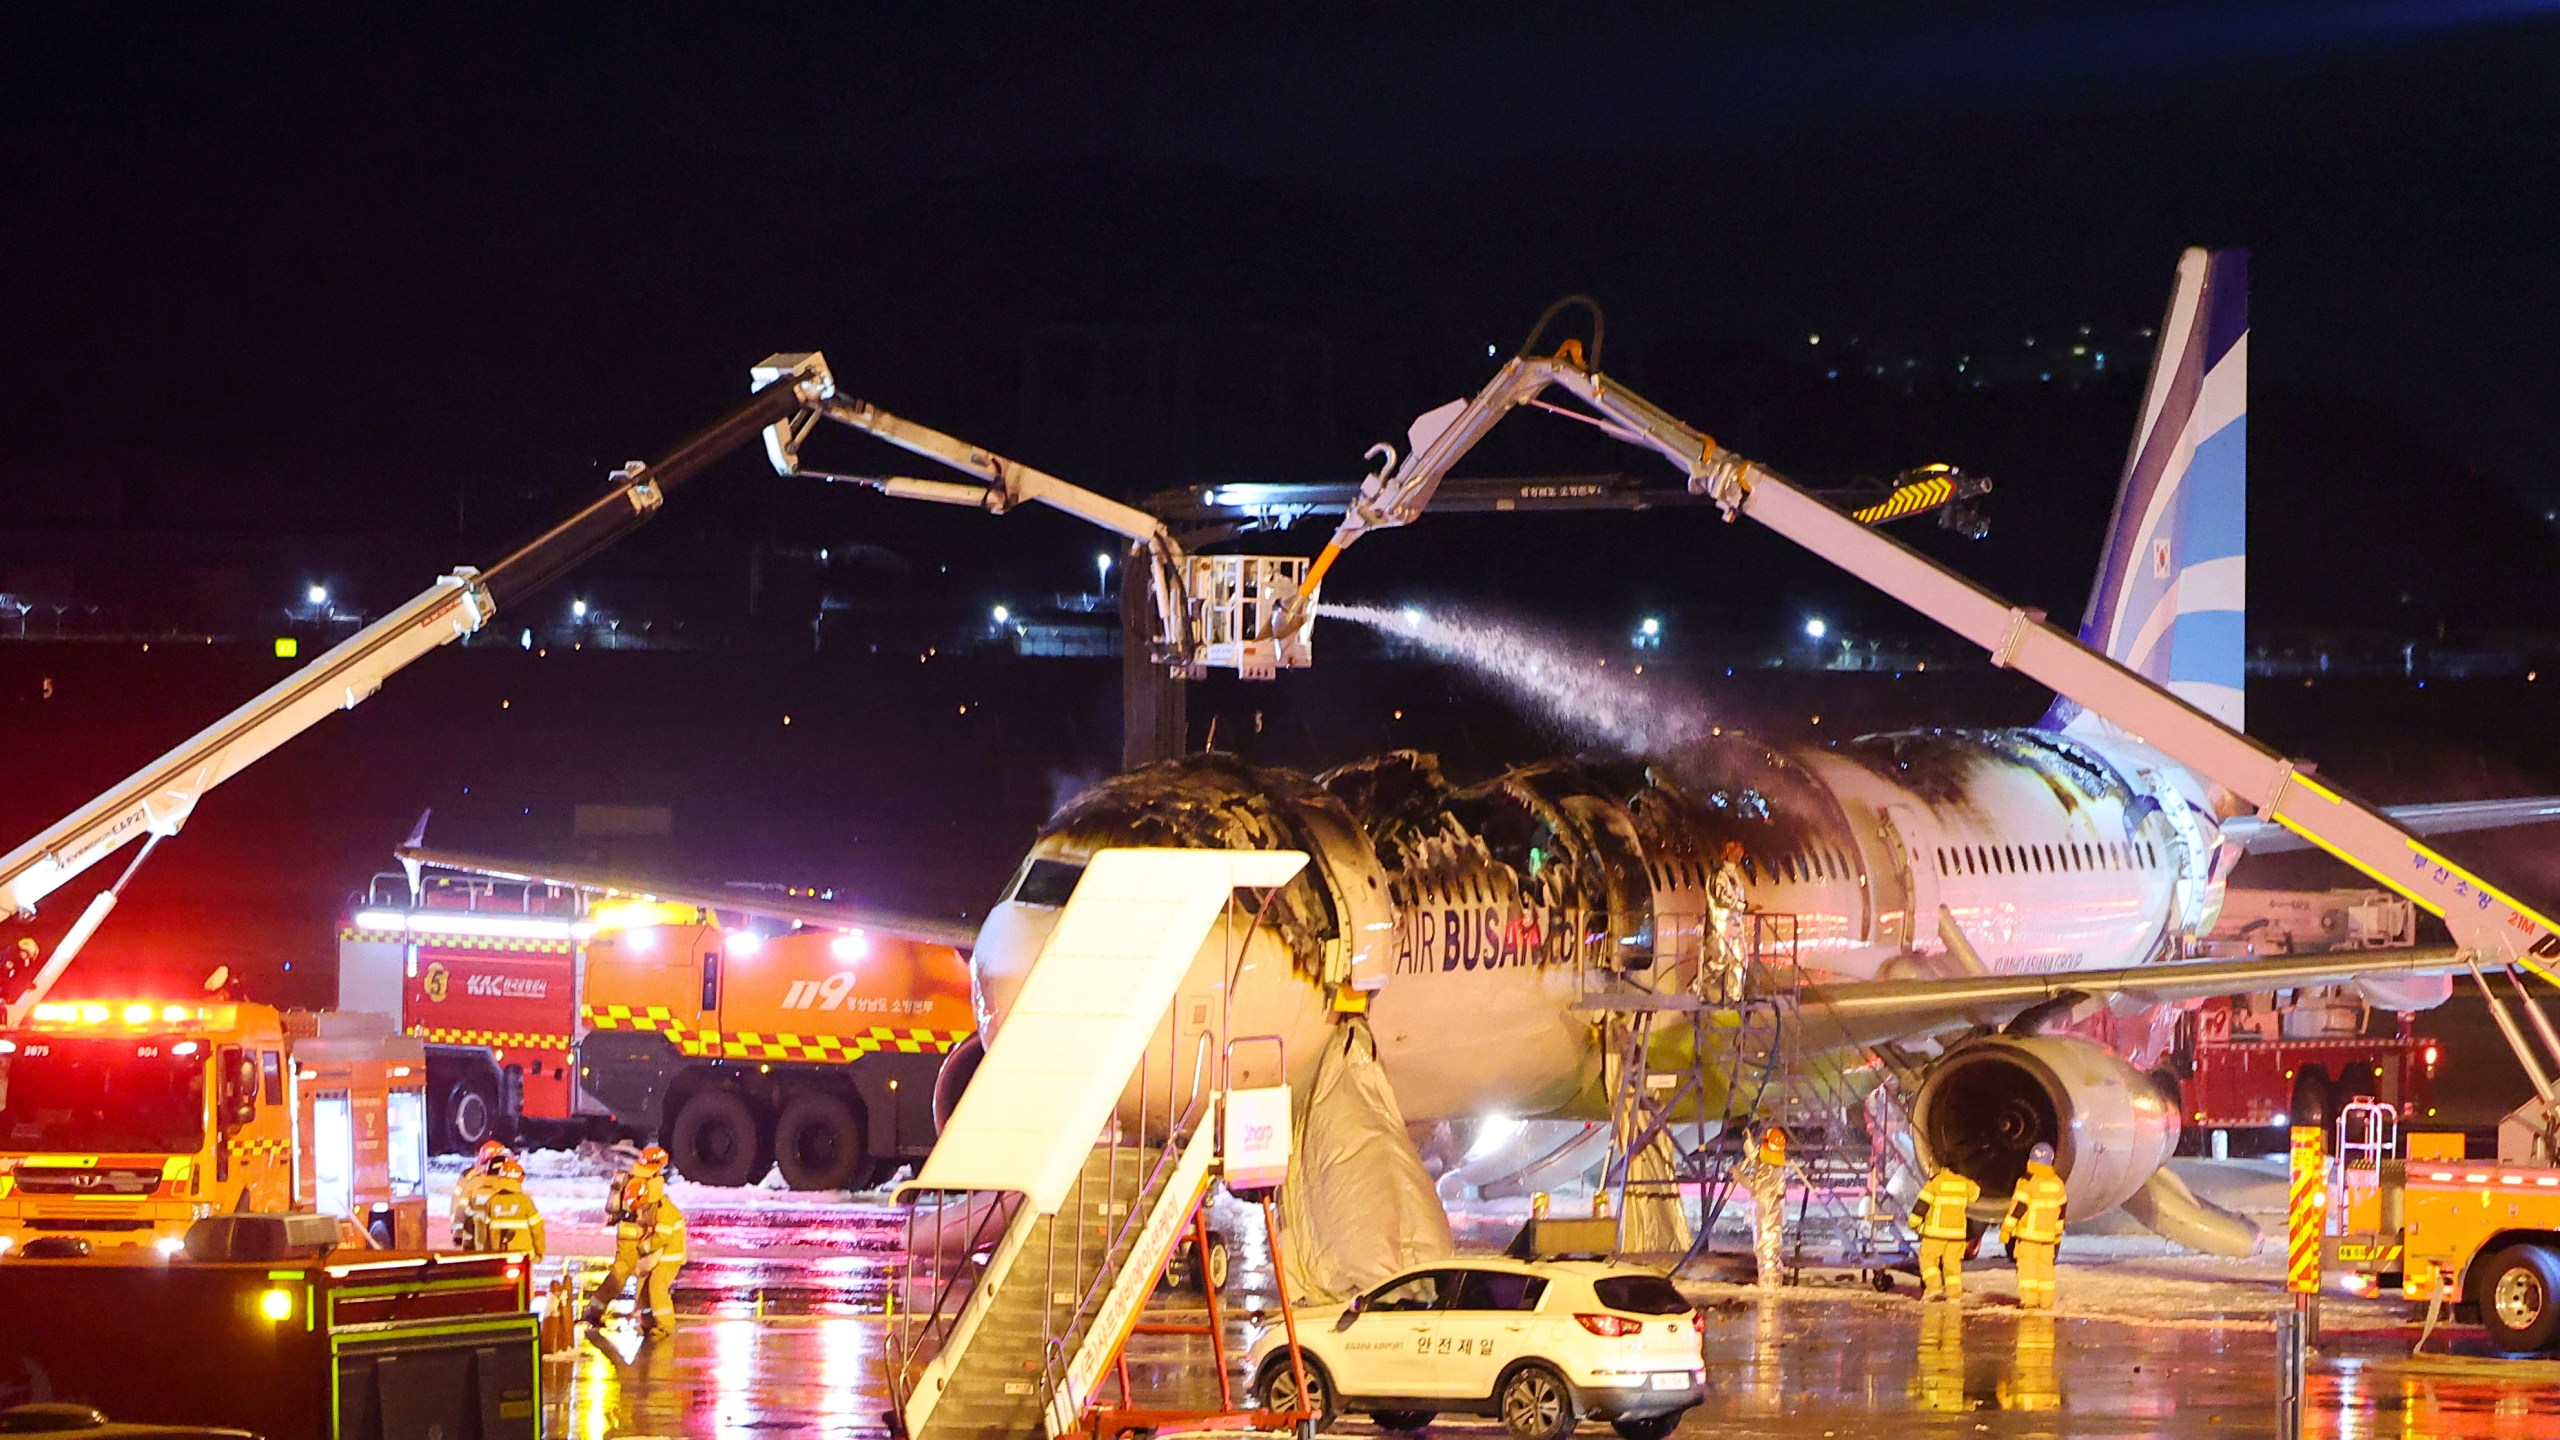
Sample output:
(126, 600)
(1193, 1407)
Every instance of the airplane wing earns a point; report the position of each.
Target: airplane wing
(929, 930)
(1872, 1012)
(2265, 837)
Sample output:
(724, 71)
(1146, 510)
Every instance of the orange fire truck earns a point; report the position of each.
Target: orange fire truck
(124, 1121)
(816, 1049)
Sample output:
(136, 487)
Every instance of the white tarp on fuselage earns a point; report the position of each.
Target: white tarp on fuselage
(1358, 1205)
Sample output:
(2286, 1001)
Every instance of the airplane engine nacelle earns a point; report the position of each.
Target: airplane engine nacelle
(1986, 1104)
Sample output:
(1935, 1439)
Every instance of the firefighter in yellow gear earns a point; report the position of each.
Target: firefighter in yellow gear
(632, 1208)
(507, 1218)
(1939, 1217)
(661, 1256)
(470, 1191)
(2034, 1227)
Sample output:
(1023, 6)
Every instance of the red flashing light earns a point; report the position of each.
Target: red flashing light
(2430, 1057)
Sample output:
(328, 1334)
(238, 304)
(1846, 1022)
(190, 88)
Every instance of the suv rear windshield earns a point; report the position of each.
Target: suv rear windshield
(1639, 1294)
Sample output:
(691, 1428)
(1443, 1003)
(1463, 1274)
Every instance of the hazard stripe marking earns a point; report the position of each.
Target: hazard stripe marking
(757, 1045)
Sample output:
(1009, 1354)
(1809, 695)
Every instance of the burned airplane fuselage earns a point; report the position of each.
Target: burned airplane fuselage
(1468, 918)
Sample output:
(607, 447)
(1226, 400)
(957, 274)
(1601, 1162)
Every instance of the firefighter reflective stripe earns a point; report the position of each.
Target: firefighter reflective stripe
(759, 1045)
(1942, 1203)
(500, 1039)
(2035, 1212)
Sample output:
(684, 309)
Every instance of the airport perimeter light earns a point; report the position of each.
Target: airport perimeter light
(578, 609)
(1002, 614)
(317, 594)
(1816, 628)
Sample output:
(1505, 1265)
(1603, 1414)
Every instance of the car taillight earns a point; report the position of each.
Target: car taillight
(1610, 1325)
(1698, 1321)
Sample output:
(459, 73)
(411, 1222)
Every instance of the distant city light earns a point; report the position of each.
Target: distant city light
(1816, 627)
(1101, 566)
(1002, 614)
(578, 608)
(317, 594)
(1650, 628)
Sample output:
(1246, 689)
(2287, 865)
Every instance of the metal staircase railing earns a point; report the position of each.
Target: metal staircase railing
(1151, 1170)
(1693, 1060)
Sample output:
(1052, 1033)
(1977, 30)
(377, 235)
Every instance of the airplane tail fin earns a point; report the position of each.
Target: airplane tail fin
(2171, 597)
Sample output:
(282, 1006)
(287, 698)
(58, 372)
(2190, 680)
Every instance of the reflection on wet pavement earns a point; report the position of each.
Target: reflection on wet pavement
(1790, 1367)
(782, 1337)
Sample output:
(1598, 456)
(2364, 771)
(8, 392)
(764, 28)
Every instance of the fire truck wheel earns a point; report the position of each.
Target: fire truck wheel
(819, 1143)
(714, 1139)
(470, 1113)
(2520, 1298)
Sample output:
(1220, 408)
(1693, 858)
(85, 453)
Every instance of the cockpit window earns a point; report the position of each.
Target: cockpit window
(1047, 883)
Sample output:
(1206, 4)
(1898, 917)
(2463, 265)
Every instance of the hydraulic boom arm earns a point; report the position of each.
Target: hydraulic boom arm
(1001, 485)
(157, 799)
(2491, 925)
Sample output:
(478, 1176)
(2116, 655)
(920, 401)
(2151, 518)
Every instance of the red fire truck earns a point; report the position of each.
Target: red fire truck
(2248, 1066)
(486, 973)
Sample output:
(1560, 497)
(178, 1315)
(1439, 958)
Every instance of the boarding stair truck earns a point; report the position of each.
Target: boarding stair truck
(2408, 1213)
(125, 1121)
(1078, 1159)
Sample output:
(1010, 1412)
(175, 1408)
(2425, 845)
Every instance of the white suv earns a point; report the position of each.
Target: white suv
(1542, 1346)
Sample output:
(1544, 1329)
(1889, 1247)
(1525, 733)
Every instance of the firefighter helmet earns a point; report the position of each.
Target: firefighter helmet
(507, 1166)
(652, 1161)
(490, 1150)
(1773, 1145)
(2042, 1154)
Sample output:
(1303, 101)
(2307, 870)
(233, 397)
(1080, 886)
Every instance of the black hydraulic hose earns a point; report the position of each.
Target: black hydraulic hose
(614, 514)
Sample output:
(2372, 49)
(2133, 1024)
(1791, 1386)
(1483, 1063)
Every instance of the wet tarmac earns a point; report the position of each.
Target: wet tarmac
(1815, 1366)
(782, 1332)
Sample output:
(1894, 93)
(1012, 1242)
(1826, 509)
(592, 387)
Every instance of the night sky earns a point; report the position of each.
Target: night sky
(328, 272)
